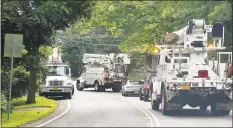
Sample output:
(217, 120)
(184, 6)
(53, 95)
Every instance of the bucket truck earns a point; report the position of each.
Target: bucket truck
(103, 71)
(184, 75)
(58, 81)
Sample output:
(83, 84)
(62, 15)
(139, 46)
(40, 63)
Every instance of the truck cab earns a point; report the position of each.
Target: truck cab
(58, 80)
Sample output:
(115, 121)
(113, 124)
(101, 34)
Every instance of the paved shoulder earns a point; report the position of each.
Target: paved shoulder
(62, 106)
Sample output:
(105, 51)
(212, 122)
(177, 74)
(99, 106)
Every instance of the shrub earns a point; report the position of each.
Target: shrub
(19, 84)
(3, 102)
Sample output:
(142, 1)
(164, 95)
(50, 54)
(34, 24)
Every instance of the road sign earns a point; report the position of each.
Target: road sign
(13, 41)
(12, 48)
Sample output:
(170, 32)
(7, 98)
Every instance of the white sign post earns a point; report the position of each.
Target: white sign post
(12, 48)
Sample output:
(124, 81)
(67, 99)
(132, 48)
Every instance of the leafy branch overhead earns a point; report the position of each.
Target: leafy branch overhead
(145, 22)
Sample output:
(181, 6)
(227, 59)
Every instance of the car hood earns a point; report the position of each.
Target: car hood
(62, 78)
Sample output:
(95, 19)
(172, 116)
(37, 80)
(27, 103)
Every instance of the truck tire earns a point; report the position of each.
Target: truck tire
(155, 104)
(140, 96)
(78, 87)
(97, 87)
(218, 112)
(116, 89)
(145, 97)
(72, 90)
(69, 96)
(40, 93)
(164, 103)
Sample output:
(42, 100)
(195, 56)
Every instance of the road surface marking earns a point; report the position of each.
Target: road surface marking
(155, 118)
(67, 109)
(150, 115)
(151, 124)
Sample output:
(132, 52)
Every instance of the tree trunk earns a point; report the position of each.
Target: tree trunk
(32, 82)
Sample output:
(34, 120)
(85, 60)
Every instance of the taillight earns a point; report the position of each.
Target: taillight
(148, 86)
(105, 75)
(203, 74)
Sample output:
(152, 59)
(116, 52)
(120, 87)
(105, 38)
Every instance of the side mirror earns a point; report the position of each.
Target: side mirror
(69, 72)
(153, 80)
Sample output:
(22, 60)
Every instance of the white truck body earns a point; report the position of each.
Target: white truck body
(103, 71)
(58, 82)
(183, 76)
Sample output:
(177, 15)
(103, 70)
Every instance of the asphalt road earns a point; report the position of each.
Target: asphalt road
(88, 108)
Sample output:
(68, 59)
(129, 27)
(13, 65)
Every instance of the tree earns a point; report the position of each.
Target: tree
(37, 21)
(74, 45)
(145, 22)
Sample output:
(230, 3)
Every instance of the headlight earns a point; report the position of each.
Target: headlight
(178, 85)
(228, 85)
(69, 83)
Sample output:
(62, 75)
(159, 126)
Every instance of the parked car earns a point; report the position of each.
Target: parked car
(131, 88)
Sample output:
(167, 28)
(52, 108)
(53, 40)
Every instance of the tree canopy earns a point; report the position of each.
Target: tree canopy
(145, 22)
(38, 21)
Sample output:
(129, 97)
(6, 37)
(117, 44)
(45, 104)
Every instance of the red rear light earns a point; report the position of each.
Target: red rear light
(148, 86)
(203, 74)
(105, 75)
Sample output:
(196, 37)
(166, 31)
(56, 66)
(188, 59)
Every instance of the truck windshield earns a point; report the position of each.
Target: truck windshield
(120, 69)
(181, 60)
(58, 71)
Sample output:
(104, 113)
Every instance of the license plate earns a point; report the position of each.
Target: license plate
(55, 89)
(185, 87)
(224, 106)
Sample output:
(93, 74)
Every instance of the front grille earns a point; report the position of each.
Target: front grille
(55, 83)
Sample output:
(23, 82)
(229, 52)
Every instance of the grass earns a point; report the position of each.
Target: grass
(20, 118)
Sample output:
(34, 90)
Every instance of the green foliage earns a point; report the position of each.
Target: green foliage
(37, 21)
(3, 102)
(19, 84)
(145, 22)
(74, 45)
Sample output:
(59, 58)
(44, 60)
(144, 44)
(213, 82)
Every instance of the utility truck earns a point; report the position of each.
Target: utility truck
(185, 76)
(58, 81)
(102, 71)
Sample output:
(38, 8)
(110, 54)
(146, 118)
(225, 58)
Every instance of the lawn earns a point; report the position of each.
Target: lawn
(20, 118)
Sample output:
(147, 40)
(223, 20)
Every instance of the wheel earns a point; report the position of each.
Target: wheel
(73, 90)
(145, 97)
(40, 94)
(155, 104)
(164, 103)
(78, 87)
(97, 87)
(140, 96)
(116, 89)
(218, 112)
(69, 96)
